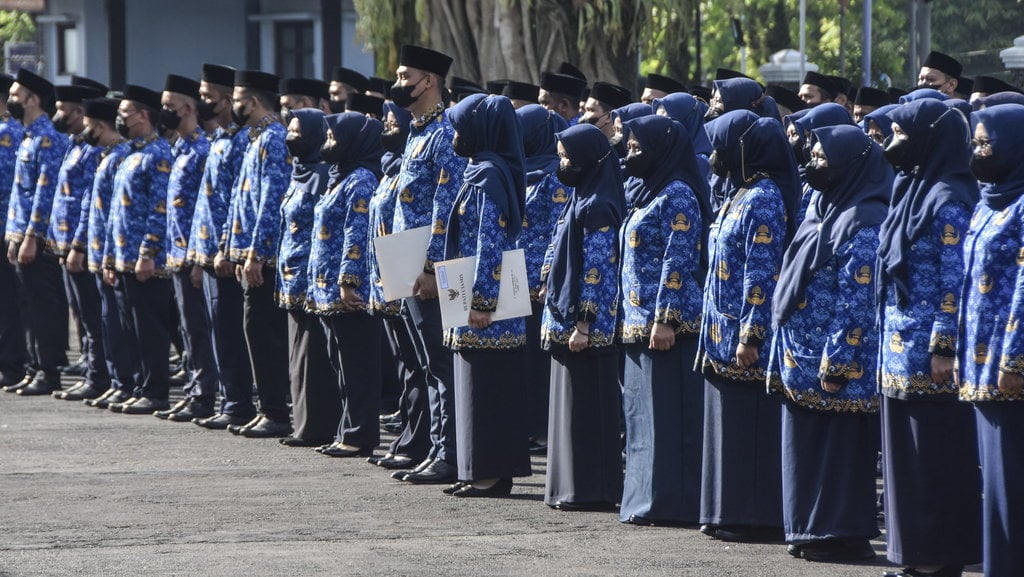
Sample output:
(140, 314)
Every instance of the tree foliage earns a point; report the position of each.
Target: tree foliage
(16, 26)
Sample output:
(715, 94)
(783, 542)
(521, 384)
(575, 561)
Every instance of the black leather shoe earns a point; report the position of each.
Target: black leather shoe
(83, 393)
(174, 409)
(749, 534)
(103, 401)
(708, 529)
(837, 550)
(222, 421)
(24, 382)
(401, 474)
(451, 489)
(145, 406)
(179, 379)
(794, 550)
(297, 442)
(192, 411)
(947, 571)
(503, 488)
(39, 387)
(237, 429)
(538, 448)
(437, 473)
(119, 406)
(341, 451)
(395, 463)
(395, 417)
(61, 394)
(584, 506)
(266, 429)
(76, 368)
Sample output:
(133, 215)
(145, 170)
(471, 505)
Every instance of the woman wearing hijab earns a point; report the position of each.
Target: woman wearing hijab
(620, 116)
(798, 131)
(337, 259)
(991, 356)
(741, 492)
(413, 442)
(821, 361)
(661, 280)
(688, 111)
(315, 405)
(485, 221)
(546, 196)
(581, 293)
(929, 450)
(877, 123)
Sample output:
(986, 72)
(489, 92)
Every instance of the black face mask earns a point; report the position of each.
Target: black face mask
(619, 146)
(928, 86)
(819, 177)
(169, 119)
(989, 168)
(206, 111)
(638, 164)
(122, 128)
(393, 141)
(331, 153)
(90, 138)
(896, 151)
(61, 124)
(298, 147)
(17, 110)
(800, 152)
(593, 119)
(337, 106)
(238, 117)
(463, 147)
(402, 95)
(718, 164)
(569, 175)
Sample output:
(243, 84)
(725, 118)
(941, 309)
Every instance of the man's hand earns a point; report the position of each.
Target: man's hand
(942, 369)
(76, 261)
(425, 287)
(663, 337)
(29, 249)
(253, 272)
(831, 387)
(196, 276)
(746, 355)
(351, 298)
(1010, 384)
(109, 277)
(222, 267)
(12, 253)
(479, 319)
(144, 269)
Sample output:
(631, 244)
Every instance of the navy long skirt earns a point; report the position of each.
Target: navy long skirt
(537, 377)
(663, 402)
(490, 433)
(932, 483)
(828, 475)
(316, 403)
(584, 449)
(1001, 440)
(742, 461)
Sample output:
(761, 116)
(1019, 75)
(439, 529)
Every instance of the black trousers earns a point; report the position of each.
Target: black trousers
(197, 337)
(12, 335)
(90, 316)
(118, 334)
(43, 305)
(147, 304)
(354, 343)
(71, 297)
(266, 335)
(225, 304)
(316, 402)
(414, 404)
(424, 319)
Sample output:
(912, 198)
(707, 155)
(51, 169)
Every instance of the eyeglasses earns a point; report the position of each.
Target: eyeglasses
(981, 144)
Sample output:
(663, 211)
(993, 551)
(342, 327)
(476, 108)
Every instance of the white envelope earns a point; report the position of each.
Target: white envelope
(455, 289)
(400, 259)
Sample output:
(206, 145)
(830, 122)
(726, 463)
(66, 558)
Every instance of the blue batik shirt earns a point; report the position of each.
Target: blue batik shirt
(927, 325)
(11, 135)
(190, 153)
(296, 240)
(226, 149)
(544, 202)
(253, 228)
(91, 233)
(429, 181)
(989, 329)
(382, 217)
(35, 180)
(137, 224)
(745, 248)
(832, 335)
(356, 190)
(73, 182)
(660, 256)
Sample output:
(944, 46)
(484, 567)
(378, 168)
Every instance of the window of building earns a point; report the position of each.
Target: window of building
(294, 48)
(68, 56)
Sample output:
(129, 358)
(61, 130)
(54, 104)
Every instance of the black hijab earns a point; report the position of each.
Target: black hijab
(860, 199)
(309, 175)
(1005, 125)
(357, 136)
(538, 126)
(940, 174)
(391, 162)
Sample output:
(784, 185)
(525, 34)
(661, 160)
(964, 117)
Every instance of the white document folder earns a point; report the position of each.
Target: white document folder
(400, 259)
(455, 289)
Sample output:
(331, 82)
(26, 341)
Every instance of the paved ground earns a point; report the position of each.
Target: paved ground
(87, 492)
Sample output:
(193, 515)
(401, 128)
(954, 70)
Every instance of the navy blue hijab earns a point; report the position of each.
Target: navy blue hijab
(597, 202)
(309, 174)
(358, 138)
(749, 146)
(923, 94)
(746, 94)
(997, 99)
(827, 114)
(1005, 125)
(860, 199)
(940, 156)
(688, 111)
(488, 123)
(880, 116)
(538, 126)
(631, 184)
(391, 162)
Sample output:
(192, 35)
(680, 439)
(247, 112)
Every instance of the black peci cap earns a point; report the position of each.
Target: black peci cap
(964, 85)
(992, 85)
(425, 59)
(785, 97)
(843, 85)
(182, 85)
(364, 103)
(6, 80)
(700, 92)
(521, 91)
(943, 63)
(37, 84)
(381, 85)
(664, 84)
(868, 96)
(76, 93)
(895, 94)
(101, 108)
(825, 83)
(350, 77)
(219, 74)
(727, 73)
(310, 87)
(258, 80)
(563, 84)
(571, 70)
(495, 86)
(77, 80)
(142, 95)
(611, 95)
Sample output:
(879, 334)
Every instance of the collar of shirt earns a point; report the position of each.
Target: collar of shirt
(141, 141)
(264, 122)
(37, 124)
(429, 117)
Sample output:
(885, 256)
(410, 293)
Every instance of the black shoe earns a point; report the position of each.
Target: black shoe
(75, 369)
(83, 393)
(947, 571)
(24, 382)
(339, 450)
(538, 448)
(179, 379)
(222, 421)
(708, 529)
(837, 550)
(297, 442)
(145, 406)
(749, 534)
(266, 429)
(393, 428)
(62, 393)
(174, 409)
(451, 489)
(236, 429)
(103, 401)
(395, 417)
(119, 406)
(502, 488)
(794, 550)
(395, 463)
(401, 474)
(39, 387)
(584, 506)
(437, 473)
(195, 409)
